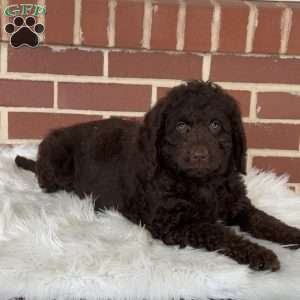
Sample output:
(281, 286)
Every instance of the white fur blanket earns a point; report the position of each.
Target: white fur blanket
(53, 246)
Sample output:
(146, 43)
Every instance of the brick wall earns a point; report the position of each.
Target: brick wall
(103, 58)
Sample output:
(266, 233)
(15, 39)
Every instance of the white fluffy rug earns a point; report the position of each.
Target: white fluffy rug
(55, 247)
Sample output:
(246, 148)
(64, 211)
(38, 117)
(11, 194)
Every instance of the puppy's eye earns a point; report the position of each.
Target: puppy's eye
(215, 126)
(182, 127)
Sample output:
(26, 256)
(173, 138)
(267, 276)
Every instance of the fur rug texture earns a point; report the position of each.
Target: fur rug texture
(53, 246)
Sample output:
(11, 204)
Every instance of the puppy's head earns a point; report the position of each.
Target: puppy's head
(196, 130)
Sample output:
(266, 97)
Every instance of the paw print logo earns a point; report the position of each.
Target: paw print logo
(24, 33)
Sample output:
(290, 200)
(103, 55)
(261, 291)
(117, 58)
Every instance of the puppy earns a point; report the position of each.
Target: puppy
(178, 173)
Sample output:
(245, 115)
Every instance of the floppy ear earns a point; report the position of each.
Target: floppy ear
(239, 142)
(150, 132)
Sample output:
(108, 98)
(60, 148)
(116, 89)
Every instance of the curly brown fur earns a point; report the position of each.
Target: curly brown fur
(179, 173)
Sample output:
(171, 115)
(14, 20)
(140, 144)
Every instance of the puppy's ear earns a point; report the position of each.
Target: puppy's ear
(239, 141)
(150, 132)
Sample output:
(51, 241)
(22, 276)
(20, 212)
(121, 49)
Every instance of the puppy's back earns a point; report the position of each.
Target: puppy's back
(78, 157)
(103, 161)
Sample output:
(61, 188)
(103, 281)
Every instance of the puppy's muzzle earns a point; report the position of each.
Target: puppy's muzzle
(199, 155)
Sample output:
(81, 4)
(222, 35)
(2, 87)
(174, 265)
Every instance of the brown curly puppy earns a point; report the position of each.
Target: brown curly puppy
(179, 173)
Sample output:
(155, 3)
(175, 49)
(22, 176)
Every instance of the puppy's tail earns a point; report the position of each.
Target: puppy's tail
(25, 163)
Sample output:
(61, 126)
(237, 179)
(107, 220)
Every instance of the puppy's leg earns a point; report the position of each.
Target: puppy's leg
(55, 163)
(178, 223)
(264, 226)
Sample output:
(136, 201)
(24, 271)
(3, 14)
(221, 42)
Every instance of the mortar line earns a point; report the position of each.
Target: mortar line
(274, 153)
(147, 24)
(4, 20)
(251, 26)
(20, 141)
(55, 94)
(4, 125)
(253, 106)
(42, 20)
(285, 26)
(153, 95)
(111, 30)
(278, 121)
(106, 116)
(215, 26)
(206, 65)
(272, 121)
(249, 162)
(53, 110)
(105, 63)
(3, 59)
(180, 30)
(77, 39)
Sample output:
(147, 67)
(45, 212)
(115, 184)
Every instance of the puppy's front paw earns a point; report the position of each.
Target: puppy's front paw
(295, 241)
(263, 259)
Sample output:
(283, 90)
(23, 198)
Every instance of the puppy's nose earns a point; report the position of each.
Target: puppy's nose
(199, 154)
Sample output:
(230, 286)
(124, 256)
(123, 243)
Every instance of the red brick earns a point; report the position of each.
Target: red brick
(280, 165)
(46, 60)
(22, 125)
(236, 68)
(294, 40)
(198, 15)
(233, 28)
(155, 65)
(59, 22)
(129, 24)
(274, 105)
(268, 32)
(94, 20)
(273, 136)
(98, 96)
(164, 26)
(162, 91)
(243, 98)
(26, 93)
